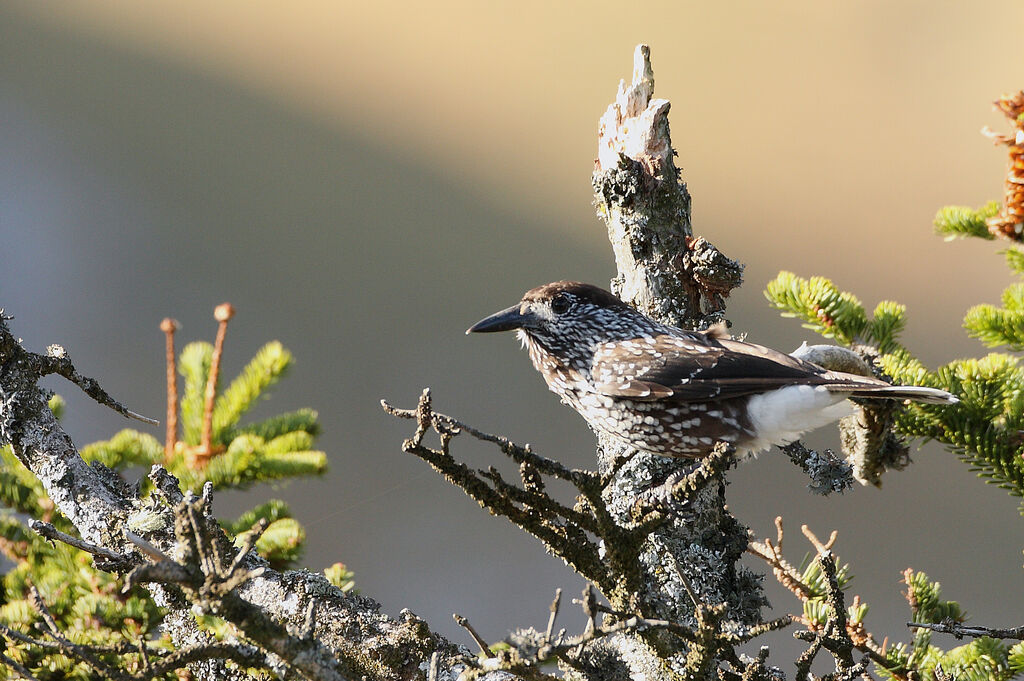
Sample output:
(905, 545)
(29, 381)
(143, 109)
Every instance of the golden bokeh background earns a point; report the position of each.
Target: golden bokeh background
(365, 180)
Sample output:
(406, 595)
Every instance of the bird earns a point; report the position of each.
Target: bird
(672, 392)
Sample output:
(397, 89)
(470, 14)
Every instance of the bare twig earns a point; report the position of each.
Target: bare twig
(57, 361)
(147, 548)
(435, 664)
(806, 659)
(452, 426)
(783, 570)
(67, 646)
(528, 650)
(18, 669)
(839, 636)
(757, 669)
(554, 614)
(154, 661)
(245, 655)
(248, 544)
(959, 630)
(836, 639)
(828, 472)
(540, 501)
(309, 621)
(562, 529)
(820, 547)
(485, 650)
(736, 633)
(48, 531)
(210, 581)
(589, 605)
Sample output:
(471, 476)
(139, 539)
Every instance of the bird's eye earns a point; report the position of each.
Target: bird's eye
(560, 304)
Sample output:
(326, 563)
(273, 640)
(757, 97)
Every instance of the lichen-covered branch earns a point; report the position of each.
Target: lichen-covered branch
(828, 472)
(600, 547)
(152, 662)
(663, 270)
(563, 530)
(525, 651)
(653, 535)
(867, 436)
(610, 561)
(92, 498)
(124, 530)
(210, 581)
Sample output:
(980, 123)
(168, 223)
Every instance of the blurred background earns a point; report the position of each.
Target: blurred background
(363, 181)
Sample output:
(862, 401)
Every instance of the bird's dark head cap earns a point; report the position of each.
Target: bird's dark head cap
(577, 291)
(542, 305)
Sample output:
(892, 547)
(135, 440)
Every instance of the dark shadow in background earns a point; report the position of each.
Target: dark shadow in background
(132, 189)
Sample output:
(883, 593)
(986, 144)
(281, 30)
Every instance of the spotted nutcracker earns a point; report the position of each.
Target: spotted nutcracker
(673, 392)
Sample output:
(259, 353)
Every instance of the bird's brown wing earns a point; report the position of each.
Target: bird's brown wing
(696, 367)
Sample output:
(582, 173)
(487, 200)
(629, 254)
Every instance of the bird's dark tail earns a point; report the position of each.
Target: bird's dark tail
(917, 393)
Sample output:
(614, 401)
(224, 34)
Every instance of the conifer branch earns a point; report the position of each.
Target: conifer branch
(830, 625)
(108, 514)
(525, 651)
(155, 662)
(1009, 223)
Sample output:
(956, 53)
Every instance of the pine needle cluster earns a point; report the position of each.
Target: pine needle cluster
(982, 659)
(984, 428)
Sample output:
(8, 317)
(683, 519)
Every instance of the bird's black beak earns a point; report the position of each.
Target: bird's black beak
(506, 320)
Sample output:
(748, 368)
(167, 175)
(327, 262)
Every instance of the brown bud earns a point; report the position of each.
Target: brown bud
(224, 312)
